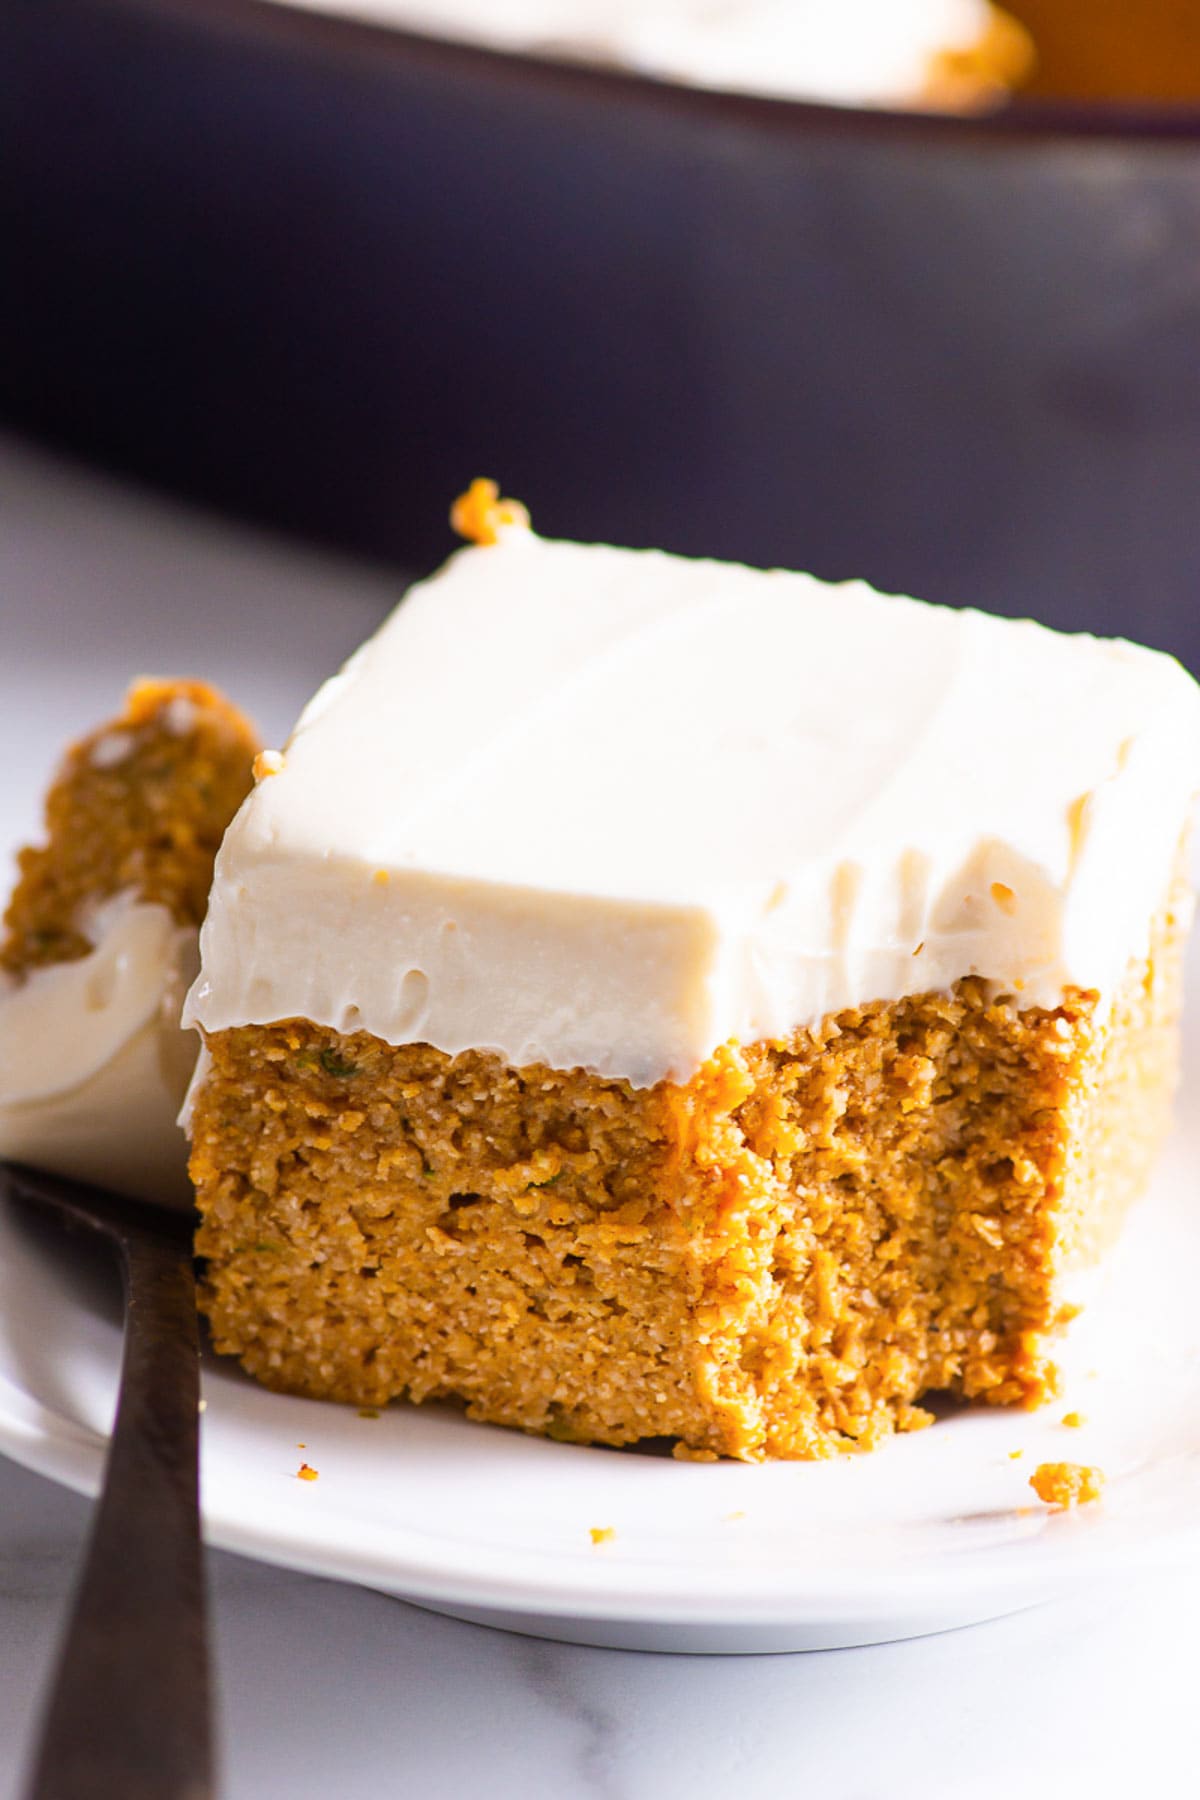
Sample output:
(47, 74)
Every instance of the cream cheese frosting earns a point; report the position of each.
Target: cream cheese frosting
(93, 1062)
(608, 808)
(849, 52)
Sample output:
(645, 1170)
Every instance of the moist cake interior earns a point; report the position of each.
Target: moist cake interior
(777, 1258)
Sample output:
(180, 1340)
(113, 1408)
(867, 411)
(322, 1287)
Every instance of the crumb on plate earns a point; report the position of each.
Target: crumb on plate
(1067, 1484)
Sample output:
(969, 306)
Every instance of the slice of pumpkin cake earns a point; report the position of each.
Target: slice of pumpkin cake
(99, 941)
(658, 998)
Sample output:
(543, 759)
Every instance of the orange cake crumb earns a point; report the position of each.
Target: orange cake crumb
(602, 1534)
(268, 762)
(307, 1473)
(1074, 1420)
(1067, 1484)
(480, 514)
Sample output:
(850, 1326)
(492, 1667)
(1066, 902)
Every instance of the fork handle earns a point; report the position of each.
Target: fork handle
(129, 1711)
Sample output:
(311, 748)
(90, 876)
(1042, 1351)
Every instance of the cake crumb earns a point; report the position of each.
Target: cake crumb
(1015, 1455)
(480, 514)
(267, 762)
(369, 1412)
(731, 1517)
(1074, 1419)
(1067, 1484)
(602, 1534)
(306, 1473)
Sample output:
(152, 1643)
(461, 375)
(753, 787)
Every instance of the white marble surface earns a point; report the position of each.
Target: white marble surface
(327, 1689)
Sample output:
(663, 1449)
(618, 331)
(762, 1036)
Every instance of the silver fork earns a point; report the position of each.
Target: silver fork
(129, 1712)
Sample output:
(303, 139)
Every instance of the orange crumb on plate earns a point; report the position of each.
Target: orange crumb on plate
(1067, 1484)
(1015, 1455)
(602, 1534)
(1074, 1419)
(305, 1473)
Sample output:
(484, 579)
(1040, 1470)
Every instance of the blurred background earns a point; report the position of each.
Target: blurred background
(907, 289)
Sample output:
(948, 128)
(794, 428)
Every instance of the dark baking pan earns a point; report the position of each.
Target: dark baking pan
(321, 273)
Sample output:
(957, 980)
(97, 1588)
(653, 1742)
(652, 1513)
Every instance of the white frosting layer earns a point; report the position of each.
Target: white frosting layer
(93, 1063)
(850, 52)
(610, 808)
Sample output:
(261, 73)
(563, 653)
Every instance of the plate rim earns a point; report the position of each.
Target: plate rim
(71, 1455)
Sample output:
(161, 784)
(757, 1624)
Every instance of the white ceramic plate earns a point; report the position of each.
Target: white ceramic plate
(933, 1530)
